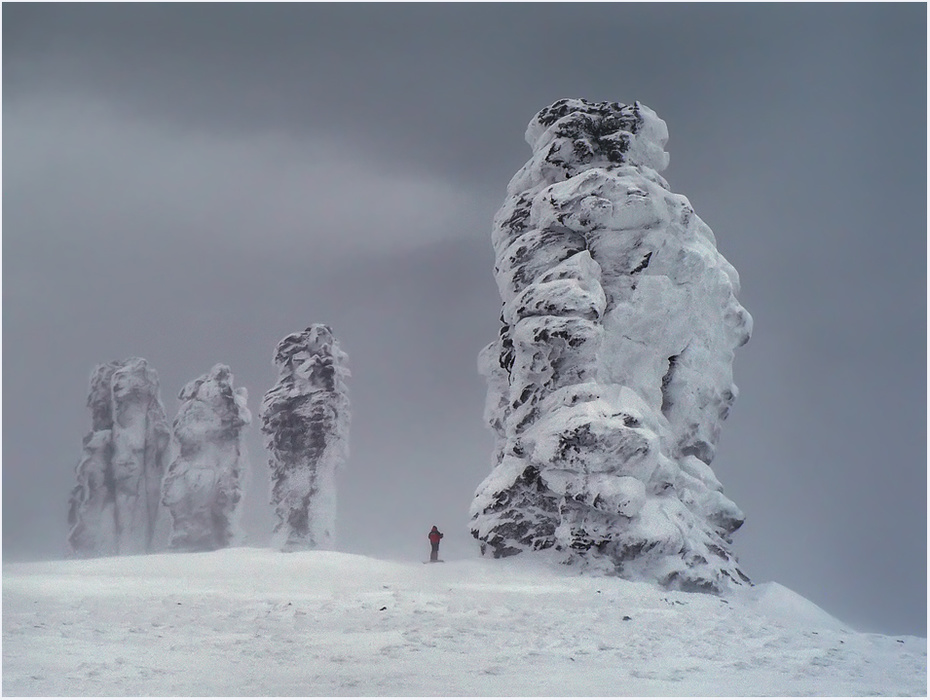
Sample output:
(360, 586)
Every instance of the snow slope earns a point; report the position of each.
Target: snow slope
(252, 621)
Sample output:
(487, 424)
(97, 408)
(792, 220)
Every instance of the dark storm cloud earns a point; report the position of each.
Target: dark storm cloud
(165, 186)
(411, 81)
(191, 182)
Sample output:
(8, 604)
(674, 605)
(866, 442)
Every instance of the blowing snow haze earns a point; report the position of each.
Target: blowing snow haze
(192, 183)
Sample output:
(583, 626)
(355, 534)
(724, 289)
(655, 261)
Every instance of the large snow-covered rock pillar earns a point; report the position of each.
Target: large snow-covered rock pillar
(613, 368)
(305, 419)
(203, 487)
(114, 507)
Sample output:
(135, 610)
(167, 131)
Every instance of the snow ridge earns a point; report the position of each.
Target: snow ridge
(613, 368)
(305, 419)
(114, 507)
(332, 624)
(203, 487)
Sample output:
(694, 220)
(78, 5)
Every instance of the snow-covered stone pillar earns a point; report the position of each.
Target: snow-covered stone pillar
(203, 487)
(114, 507)
(613, 368)
(305, 419)
(92, 513)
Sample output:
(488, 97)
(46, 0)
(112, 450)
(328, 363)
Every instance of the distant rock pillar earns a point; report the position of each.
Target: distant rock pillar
(305, 419)
(114, 507)
(203, 487)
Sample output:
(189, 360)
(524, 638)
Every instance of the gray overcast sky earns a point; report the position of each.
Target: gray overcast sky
(189, 183)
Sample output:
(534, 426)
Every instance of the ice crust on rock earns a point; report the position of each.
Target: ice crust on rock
(612, 372)
(114, 507)
(305, 419)
(203, 487)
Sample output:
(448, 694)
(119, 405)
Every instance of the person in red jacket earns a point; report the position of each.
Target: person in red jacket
(434, 536)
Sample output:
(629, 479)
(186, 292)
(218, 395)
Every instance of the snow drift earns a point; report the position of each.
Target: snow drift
(305, 419)
(114, 507)
(203, 487)
(612, 372)
(254, 622)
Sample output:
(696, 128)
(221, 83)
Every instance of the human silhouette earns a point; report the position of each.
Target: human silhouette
(434, 536)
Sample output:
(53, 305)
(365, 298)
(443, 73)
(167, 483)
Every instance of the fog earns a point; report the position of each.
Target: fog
(191, 183)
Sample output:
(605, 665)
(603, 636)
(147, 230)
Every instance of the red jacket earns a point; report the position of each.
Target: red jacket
(434, 536)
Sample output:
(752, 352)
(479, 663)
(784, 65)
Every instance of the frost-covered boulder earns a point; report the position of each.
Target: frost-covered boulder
(612, 372)
(203, 487)
(305, 419)
(114, 507)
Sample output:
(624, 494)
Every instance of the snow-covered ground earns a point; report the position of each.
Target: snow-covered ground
(251, 621)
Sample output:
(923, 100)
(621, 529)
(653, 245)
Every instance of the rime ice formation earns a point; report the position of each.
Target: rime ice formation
(305, 419)
(202, 489)
(613, 369)
(114, 506)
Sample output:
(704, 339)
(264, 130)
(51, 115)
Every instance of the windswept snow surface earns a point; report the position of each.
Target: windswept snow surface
(247, 621)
